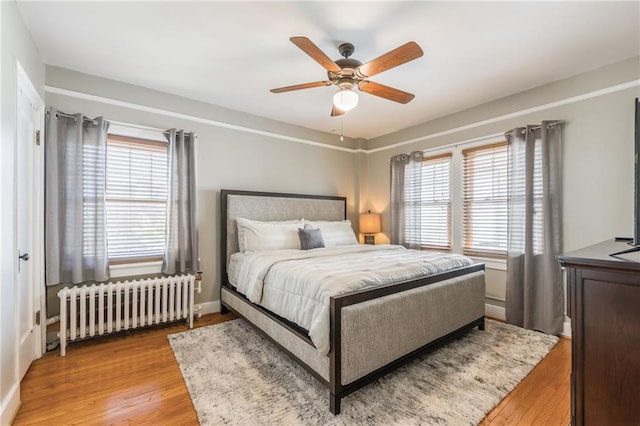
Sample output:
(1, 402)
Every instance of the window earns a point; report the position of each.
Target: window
(485, 196)
(435, 230)
(463, 200)
(136, 199)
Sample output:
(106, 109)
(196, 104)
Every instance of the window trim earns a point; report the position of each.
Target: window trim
(134, 269)
(135, 260)
(495, 263)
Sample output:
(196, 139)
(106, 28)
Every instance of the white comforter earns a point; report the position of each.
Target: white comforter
(297, 284)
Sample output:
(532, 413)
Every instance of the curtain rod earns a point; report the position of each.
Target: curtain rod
(63, 114)
(118, 123)
(534, 128)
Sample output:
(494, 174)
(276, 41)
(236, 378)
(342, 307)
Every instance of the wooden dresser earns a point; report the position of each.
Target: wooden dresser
(604, 305)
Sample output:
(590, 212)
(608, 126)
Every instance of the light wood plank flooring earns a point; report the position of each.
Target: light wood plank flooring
(134, 379)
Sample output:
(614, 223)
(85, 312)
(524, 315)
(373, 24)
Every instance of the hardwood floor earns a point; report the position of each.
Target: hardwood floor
(543, 397)
(134, 379)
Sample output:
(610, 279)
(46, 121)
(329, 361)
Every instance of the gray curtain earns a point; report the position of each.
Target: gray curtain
(534, 279)
(406, 194)
(181, 250)
(75, 231)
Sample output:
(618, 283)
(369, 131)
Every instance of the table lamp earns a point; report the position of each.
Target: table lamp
(369, 225)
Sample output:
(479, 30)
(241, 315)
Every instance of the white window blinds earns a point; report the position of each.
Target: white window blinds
(436, 202)
(485, 200)
(136, 198)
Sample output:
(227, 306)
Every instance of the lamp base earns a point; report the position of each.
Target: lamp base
(369, 239)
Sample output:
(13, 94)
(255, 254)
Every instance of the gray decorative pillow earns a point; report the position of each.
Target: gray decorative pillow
(310, 238)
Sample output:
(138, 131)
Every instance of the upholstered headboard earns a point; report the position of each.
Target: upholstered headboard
(270, 206)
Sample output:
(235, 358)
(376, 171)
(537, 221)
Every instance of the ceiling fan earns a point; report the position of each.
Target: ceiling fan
(348, 73)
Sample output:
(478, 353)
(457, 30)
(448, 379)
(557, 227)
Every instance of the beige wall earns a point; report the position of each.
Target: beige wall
(227, 158)
(15, 45)
(597, 151)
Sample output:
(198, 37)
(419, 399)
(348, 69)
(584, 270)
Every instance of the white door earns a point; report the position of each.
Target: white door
(29, 221)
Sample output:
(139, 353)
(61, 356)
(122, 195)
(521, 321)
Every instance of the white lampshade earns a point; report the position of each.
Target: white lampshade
(369, 223)
(345, 99)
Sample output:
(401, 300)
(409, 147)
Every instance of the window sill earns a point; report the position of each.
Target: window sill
(492, 262)
(133, 269)
(495, 263)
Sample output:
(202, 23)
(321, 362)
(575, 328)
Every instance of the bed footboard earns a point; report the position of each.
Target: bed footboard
(378, 334)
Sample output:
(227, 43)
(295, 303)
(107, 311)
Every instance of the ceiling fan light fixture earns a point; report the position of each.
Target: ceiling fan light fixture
(345, 99)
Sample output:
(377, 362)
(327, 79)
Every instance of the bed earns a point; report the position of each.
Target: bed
(369, 330)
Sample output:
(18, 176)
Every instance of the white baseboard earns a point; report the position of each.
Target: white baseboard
(497, 312)
(10, 405)
(208, 307)
(566, 329)
(494, 311)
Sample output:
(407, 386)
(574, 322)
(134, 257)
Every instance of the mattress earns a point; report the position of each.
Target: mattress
(298, 284)
(233, 268)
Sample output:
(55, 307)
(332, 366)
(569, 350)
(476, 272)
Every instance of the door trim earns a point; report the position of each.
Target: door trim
(24, 83)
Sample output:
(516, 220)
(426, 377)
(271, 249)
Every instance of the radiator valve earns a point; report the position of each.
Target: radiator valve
(198, 282)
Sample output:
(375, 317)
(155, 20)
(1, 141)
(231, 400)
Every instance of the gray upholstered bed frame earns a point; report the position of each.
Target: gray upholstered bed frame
(372, 331)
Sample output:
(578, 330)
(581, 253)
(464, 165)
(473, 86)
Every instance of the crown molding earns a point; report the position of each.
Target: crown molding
(197, 119)
(189, 117)
(543, 107)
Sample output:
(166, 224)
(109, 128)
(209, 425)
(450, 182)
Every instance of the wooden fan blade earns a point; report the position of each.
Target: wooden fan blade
(336, 111)
(301, 86)
(316, 54)
(386, 92)
(403, 54)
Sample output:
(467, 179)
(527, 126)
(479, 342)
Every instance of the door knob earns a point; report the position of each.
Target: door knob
(24, 256)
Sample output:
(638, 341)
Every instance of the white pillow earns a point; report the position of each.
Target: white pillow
(254, 235)
(335, 233)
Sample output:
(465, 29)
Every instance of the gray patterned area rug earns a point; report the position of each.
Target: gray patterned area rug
(236, 376)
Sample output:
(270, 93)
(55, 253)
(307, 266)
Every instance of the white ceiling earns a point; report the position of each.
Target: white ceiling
(231, 53)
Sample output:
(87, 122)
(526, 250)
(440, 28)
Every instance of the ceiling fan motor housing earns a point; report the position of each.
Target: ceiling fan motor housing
(348, 69)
